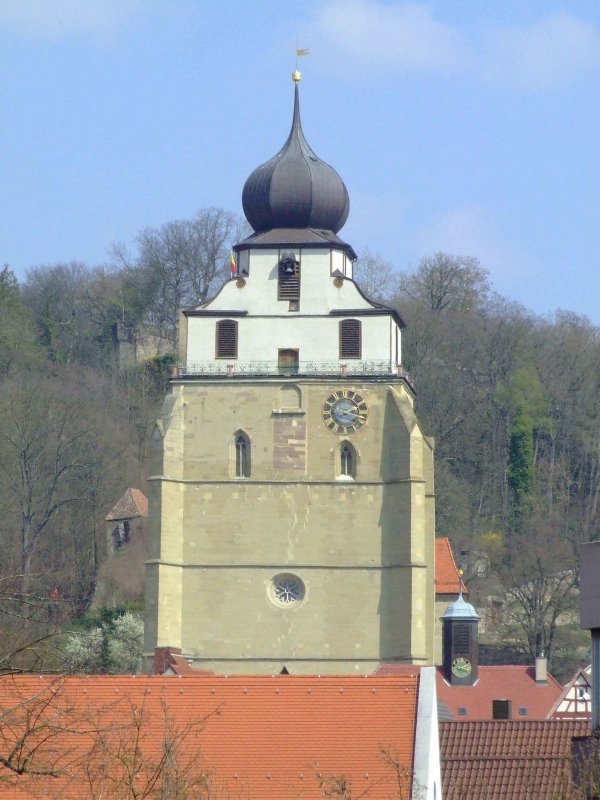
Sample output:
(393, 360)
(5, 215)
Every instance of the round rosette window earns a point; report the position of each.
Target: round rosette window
(286, 590)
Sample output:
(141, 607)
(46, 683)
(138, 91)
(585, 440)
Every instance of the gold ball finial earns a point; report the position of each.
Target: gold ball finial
(296, 76)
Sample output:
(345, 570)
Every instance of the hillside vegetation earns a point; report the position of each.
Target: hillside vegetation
(512, 401)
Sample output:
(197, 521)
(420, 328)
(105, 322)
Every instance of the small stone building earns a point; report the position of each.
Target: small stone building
(126, 519)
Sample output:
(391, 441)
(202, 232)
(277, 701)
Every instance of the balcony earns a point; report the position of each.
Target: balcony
(253, 369)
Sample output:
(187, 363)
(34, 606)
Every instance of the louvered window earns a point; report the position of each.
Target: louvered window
(350, 338)
(461, 638)
(227, 338)
(288, 287)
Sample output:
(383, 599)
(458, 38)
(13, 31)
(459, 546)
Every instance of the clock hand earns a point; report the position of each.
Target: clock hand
(354, 413)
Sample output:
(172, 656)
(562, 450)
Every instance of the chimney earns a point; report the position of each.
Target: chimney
(163, 660)
(541, 670)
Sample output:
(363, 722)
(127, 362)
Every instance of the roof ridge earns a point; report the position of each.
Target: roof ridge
(521, 757)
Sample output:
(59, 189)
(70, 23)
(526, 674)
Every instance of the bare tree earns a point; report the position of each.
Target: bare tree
(398, 780)
(446, 281)
(585, 769)
(124, 761)
(30, 627)
(57, 740)
(62, 464)
(375, 276)
(32, 725)
(47, 457)
(179, 264)
(538, 572)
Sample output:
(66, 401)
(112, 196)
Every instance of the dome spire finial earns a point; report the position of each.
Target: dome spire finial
(296, 76)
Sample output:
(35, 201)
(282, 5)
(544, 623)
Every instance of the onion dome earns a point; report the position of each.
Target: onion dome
(295, 189)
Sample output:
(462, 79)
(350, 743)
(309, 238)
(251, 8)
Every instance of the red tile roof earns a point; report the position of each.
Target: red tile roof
(259, 737)
(446, 571)
(508, 759)
(134, 503)
(514, 683)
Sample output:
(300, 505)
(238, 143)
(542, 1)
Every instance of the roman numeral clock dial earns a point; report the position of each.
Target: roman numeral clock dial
(344, 411)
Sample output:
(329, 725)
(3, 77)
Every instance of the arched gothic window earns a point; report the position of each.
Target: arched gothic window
(347, 460)
(242, 456)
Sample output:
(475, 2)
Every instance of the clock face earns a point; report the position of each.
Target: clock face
(344, 411)
(461, 667)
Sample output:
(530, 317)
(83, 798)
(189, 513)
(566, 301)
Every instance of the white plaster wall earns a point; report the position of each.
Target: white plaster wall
(270, 326)
(427, 773)
(318, 295)
(317, 338)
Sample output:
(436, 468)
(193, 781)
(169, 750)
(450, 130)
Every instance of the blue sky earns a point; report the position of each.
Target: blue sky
(458, 125)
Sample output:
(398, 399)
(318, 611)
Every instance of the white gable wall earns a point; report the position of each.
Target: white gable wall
(268, 324)
(318, 294)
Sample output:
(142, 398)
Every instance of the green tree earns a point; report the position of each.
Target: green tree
(520, 473)
(73, 309)
(56, 297)
(461, 343)
(17, 348)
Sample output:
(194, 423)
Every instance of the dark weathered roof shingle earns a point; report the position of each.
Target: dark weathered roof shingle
(508, 759)
(134, 503)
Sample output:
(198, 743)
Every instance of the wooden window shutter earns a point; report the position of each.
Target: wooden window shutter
(350, 338)
(227, 338)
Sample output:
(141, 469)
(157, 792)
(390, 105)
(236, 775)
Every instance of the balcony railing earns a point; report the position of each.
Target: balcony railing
(233, 368)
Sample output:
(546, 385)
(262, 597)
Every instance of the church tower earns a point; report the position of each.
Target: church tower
(291, 496)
